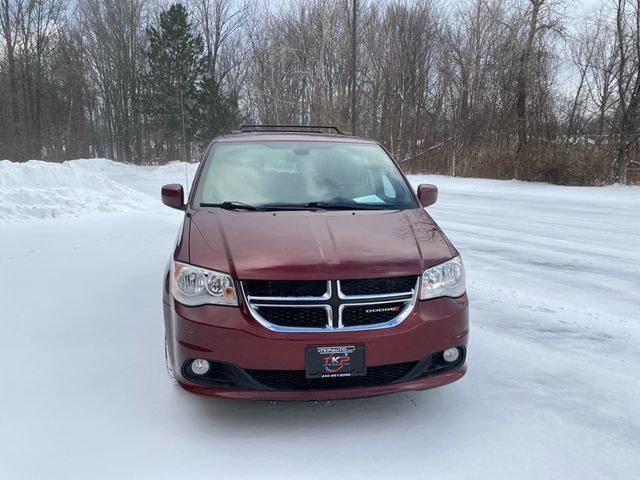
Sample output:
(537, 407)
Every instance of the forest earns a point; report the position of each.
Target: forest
(540, 90)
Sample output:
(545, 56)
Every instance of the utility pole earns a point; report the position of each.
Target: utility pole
(184, 144)
(184, 135)
(354, 115)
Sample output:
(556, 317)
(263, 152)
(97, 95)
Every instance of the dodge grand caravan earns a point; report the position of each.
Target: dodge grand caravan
(307, 268)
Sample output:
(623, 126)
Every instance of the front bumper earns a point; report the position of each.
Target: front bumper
(231, 338)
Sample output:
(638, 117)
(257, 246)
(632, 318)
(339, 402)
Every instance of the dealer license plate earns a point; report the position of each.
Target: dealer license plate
(335, 361)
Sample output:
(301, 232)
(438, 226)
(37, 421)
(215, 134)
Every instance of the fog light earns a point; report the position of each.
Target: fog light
(200, 366)
(450, 355)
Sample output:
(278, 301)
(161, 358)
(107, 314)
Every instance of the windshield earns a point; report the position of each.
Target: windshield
(302, 174)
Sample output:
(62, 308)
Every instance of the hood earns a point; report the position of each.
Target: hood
(316, 245)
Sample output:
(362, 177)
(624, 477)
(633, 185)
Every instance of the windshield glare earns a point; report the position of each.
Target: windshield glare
(298, 173)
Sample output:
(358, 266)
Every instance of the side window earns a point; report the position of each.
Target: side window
(388, 189)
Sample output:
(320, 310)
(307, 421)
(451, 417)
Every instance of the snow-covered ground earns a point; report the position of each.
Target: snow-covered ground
(552, 390)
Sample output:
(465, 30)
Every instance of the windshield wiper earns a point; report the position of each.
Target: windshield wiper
(321, 206)
(233, 205)
(230, 205)
(344, 206)
(262, 208)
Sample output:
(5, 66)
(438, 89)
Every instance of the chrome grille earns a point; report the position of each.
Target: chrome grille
(285, 288)
(320, 305)
(377, 286)
(285, 316)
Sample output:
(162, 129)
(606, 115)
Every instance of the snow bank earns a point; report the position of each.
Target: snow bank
(37, 189)
(535, 190)
(174, 170)
(146, 179)
(101, 166)
(112, 169)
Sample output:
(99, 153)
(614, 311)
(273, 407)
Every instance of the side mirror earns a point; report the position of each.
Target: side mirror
(173, 196)
(427, 194)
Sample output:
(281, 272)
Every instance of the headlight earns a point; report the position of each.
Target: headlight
(198, 286)
(444, 280)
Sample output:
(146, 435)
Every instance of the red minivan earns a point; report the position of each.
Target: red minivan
(307, 268)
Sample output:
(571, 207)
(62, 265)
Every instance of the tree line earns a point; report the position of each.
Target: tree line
(528, 89)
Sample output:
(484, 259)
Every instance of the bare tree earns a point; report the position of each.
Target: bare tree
(628, 79)
(11, 12)
(113, 32)
(601, 78)
(221, 22)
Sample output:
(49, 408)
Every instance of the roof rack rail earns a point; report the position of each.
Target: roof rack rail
(290, 128)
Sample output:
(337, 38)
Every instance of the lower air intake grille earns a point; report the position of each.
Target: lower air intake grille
(296, 379)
